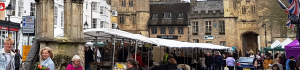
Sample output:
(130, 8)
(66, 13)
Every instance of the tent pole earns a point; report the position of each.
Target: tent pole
(135, 49)
(160, 54)
(123, 50)
(114, 50)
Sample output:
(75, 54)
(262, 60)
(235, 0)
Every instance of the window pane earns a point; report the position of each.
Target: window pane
(163, 30)
(171, 30)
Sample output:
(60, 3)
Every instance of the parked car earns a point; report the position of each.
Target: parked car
(245, 63)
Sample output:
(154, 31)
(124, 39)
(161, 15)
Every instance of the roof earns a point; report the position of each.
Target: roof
(208, 5)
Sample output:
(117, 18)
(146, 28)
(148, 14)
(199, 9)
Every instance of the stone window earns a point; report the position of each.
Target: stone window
(20, 8)
(101, 10)
(94, 23)
(162, 30)
(196, 40)
(180, 30)
(13, 4)
(101, 24)
(32, 9)
(133, 20)
(122, 19)
(55, 15)
(223, 43)
(243, 10)
(86, 5)
(131, 3)
(94, 6)
(208, 26)
(167, 15)
(195, 26)
(62, 18)
(123, 3)
(253, 8)
(154, 15)
(209, 42)
(180, 15)
(171, 30)
(222, 26)
(154, 30)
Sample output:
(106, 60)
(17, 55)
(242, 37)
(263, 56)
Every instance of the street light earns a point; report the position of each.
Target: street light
(264, 25)
(9, 9)
(86, 25)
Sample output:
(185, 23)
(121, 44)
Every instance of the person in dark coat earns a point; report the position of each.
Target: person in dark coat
(298, 63)
(292, 63)
(18, 58)
(218, 61)
(122, 55)
(88, 58)
(235, 54)
(209, 61)
(282, 61)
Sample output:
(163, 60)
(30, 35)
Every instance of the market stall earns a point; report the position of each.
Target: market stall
(292, 49)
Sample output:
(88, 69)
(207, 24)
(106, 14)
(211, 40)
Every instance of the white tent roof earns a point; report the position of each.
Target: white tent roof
(174, 43)
(275, 44)
(103, 34)
(286, 42)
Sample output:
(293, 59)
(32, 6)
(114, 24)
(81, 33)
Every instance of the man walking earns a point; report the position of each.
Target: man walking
(209, 61)
(218, 61)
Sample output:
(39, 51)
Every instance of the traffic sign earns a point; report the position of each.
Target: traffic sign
(28, 24)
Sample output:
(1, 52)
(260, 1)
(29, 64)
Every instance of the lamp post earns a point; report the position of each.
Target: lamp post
(9, 9)
(264, 25)
(86, 25)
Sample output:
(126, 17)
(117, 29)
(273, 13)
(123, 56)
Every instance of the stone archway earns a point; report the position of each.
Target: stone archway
(249, 42)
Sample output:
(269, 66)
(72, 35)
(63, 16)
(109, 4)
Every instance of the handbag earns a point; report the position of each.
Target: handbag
(226, 68)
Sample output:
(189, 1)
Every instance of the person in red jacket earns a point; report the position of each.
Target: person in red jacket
(139, 58)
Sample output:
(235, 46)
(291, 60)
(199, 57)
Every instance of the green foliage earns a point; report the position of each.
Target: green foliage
(61, 61)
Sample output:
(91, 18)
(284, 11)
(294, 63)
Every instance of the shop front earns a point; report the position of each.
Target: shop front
(14, 28)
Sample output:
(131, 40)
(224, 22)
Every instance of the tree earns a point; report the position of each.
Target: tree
(270, 10)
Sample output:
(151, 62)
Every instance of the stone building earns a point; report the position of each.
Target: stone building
(169, 21)
(132, 15)
(232, 23)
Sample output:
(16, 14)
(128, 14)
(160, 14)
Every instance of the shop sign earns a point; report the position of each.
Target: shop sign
(209, 37)
(2, 6)
(168, 37)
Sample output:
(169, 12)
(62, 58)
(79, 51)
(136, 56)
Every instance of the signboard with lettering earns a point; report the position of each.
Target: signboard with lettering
(168, 37)
(26, 49)
(209, 37)
(28, 24)
(2, 6)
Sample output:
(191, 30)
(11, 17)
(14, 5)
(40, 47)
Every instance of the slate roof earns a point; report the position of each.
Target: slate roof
(208, 6)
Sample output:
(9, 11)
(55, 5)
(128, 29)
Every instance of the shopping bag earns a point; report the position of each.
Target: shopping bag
(226, 68)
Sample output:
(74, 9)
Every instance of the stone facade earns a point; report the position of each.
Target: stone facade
(176, 25)
(232, 22)
(72, 43)
(132, 15)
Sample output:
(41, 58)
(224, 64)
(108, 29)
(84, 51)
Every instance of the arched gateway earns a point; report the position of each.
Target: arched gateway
(249, 41)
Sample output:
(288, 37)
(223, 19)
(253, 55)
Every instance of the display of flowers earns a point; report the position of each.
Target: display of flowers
(40, 67)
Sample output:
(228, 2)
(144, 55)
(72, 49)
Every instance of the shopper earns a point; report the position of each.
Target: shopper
(230, 62)
(8, 63)
(75, 64)
(47, 56)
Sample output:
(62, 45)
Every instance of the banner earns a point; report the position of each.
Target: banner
(26, 49)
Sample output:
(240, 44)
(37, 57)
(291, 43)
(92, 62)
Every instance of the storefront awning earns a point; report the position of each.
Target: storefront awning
(13, 26)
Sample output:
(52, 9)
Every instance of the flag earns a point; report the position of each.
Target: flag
(283, 7)
(294, 7)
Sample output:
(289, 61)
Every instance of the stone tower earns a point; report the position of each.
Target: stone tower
(64, 48)
(242, 22)
(132, 15)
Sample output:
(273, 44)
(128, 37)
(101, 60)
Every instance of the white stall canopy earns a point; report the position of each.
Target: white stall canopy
(275, 44)
(103, 34)
(286, 42)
